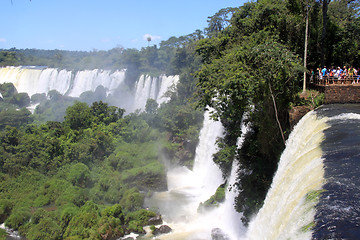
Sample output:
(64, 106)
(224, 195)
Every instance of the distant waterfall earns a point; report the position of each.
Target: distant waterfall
(286, 213)
(89, 80)
(33, 80)
(43, 80)
(154, 88)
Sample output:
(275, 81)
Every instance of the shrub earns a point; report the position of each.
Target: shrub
(47, 228)
(18, 218)
(5, 209)
(78, 174)
(141, 216)
(132, 200)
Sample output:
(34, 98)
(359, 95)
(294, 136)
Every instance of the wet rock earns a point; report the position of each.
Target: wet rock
(162, 230)
(157, 220)
(218, 234)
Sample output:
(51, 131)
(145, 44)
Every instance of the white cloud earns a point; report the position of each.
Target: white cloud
(2, 40)
(153, 38)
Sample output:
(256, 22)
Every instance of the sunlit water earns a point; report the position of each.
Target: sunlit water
(188, 188)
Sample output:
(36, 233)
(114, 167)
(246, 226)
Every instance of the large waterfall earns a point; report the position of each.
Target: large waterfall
(286, 210)
(33, 80)
(315, 192)
(42, 80)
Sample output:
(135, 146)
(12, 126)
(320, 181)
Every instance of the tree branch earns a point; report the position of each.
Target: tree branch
(276, 114)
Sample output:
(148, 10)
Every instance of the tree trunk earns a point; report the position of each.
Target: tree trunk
(323, 35)
(306, 43)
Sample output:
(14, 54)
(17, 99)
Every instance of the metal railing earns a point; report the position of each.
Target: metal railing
(327, 80)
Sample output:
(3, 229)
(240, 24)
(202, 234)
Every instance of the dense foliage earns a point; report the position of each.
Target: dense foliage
(85, 175)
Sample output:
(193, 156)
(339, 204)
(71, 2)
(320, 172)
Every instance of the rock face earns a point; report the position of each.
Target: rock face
(296, 113)
(218, 234)
(162, 229)
(157, 220)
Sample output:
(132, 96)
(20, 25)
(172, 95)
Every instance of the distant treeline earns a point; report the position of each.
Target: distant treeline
(152, 60)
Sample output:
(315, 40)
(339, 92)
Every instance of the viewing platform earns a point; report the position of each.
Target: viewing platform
(338, 90)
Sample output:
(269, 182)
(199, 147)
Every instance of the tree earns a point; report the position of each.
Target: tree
(325, 4)
(151, 106)
(78, 116)
(219, 21)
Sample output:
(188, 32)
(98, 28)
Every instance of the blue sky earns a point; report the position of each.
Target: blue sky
(101, 24)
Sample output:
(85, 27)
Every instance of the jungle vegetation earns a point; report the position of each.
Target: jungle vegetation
(81, 174)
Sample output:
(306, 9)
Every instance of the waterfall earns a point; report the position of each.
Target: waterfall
(229, 221)
(187, 188)
(315, 192)
(154, 88)
(37, 80)
(33, 80)
(287, 213)
(89, 80)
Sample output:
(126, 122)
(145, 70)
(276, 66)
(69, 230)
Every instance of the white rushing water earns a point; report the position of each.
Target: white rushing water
(287, 213)
(154, 88)
(229, 221)
(188, 188)
(37, 80)
(33, 80)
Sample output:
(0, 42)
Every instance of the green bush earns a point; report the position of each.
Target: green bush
(5, 209)
(114, 211)
(67, 214)
(141, 216)
(135, 226)
(47, 228)
(132, 200)
(3, 234)
(215, 199)
(78, 174)
(18, 218)
(110, 227)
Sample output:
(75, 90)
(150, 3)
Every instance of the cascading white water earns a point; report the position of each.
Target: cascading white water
(89, 80)
(36, 80)
(229, 221)
(41, 80)
(287, 213)
(154, 88)
(187, 188)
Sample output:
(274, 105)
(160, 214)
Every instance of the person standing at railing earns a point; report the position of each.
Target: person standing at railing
(312, 72)
(324, 75)
(351, 74)
(331, 75)
(337, 74)
(319, 76)
(341, 75)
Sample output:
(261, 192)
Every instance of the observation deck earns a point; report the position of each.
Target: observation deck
(338, 90)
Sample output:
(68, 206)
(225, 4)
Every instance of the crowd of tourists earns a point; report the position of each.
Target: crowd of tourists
(334, 75)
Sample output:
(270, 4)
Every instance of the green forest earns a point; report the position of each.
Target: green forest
(83, 173)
